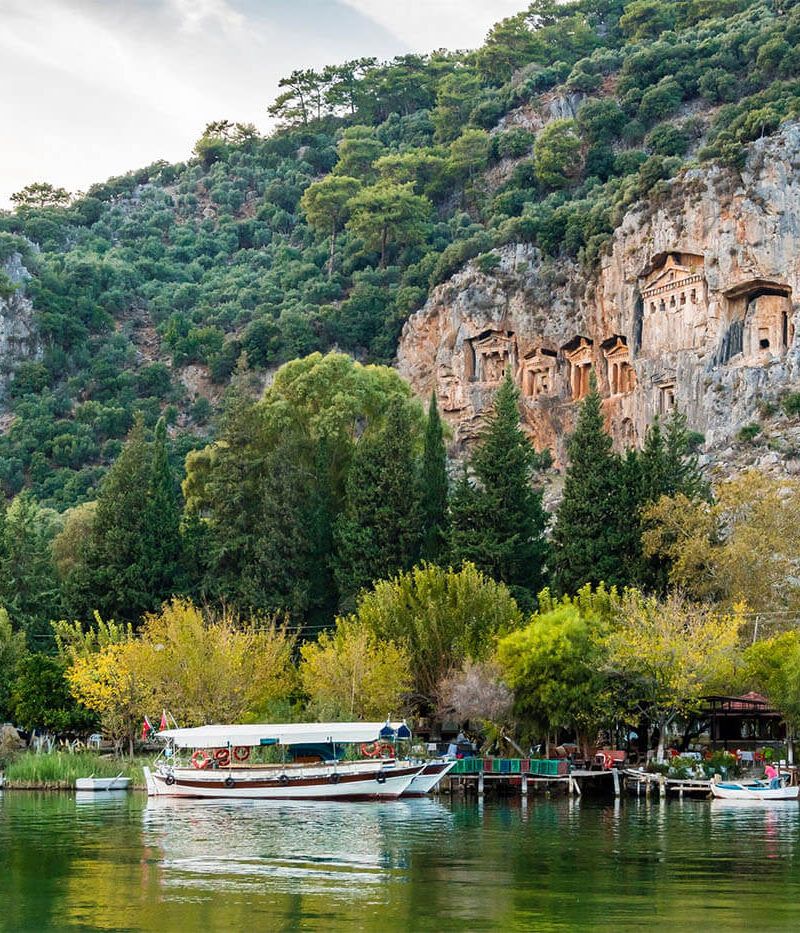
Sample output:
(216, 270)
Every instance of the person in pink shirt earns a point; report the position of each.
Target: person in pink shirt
(772, 774)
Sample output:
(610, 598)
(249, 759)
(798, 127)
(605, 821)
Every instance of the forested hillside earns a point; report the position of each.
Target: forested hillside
(382, 179)
(203, 410)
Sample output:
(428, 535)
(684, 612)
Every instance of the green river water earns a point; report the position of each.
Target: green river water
(131, 864)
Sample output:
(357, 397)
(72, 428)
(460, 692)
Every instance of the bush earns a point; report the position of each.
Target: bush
(749, 432)
(790, 405)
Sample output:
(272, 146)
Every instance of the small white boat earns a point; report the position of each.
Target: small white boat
(752, 790)
(220, 765)
(424, 782)
(93, 783)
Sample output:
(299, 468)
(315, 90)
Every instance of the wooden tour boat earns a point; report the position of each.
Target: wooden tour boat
(219, 765)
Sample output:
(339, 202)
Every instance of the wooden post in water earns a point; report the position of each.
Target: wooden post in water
(524, 787)
(480, 783)
(662, 786)
(615, 774)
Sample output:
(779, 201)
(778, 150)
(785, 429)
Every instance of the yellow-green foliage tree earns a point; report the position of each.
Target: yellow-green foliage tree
(671, 653)
(553, 663)
(742, 547)
(106, 682)
(349, 673)
(211, 670)
(772, 666)
(441, 617)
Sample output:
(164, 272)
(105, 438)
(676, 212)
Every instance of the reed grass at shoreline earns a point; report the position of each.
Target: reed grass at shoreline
(59, 770)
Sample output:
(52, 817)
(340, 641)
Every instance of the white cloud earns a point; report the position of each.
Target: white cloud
(99, 87)
(429, 24)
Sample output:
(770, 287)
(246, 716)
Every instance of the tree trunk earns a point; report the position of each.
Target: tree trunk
(383, 249)
(130, 746)
(789, 746)
(333, 247)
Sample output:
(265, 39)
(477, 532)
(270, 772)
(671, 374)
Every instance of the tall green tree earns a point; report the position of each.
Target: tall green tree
(135, 557)
(586, 536)
(12, 650)
(325, 204)
(379, 532)
(387, 213)
(434, 486)
(28, 582)
(666, 467)
(498, 523)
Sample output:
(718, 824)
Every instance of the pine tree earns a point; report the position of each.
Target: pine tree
(499, 523)
(588, 546)
(163, 545)
(379, 531)
(133, 561)
(28, 584)
(667, 467)
(434, 486)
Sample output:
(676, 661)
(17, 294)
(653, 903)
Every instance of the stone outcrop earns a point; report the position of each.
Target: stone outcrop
(18, 339)
(694, 304)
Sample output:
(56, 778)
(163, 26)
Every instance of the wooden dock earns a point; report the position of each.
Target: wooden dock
(614, 781)
(575, 782)
(643, 782)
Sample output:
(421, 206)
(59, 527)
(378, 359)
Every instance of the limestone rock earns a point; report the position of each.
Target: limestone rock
(18, 338)
(694, 304)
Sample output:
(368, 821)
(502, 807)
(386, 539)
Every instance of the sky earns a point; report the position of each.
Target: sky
(94, 88)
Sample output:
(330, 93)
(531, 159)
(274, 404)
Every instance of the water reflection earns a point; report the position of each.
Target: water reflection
(121, 862)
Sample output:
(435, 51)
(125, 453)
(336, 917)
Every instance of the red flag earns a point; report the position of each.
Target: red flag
(164, 724)
(147, 727)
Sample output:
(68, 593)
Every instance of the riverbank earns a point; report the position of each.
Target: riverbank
(60, 770)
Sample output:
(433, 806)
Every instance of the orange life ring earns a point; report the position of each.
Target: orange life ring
(200, 759)
(222, 756)
(370, 749)
(386, 750)
(241, 753)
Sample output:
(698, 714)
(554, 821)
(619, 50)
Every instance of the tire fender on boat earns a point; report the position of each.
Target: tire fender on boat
(283, 779)
(380, 777)
(229, 781)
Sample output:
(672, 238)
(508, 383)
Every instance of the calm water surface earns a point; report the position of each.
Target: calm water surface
(131, 864)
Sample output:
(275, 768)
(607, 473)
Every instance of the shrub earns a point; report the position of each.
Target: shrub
(749, 432)
(790, 404)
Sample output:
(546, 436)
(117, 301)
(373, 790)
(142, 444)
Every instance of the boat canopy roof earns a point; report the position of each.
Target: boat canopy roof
(288, 733)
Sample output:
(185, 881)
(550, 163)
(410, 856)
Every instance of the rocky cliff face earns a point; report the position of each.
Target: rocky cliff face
(18, 341)
(695, 304)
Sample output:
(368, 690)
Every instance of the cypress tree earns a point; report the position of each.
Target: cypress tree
(434, 486)
(379, 531)
(588, 546)
(499, 523)
(135, 556)
(163, 546)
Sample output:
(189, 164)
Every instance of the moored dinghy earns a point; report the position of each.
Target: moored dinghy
(753, 790)
(95, 784)
(225, 771)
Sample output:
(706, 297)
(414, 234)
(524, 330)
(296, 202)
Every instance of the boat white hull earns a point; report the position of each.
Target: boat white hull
(424, 782)
(753, 792)
(330, 784)
(102, 784)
